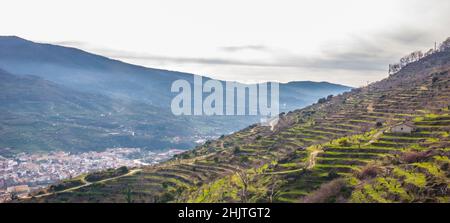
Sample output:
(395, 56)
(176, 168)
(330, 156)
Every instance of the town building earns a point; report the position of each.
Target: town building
(19, 189)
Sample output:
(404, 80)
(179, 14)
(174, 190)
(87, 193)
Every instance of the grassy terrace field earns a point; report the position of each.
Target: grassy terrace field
(382, 150)
(341, 150)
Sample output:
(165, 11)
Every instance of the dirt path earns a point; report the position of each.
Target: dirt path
(311, 164)
(183, 161)
(87, 183)
(312, 159)
(370, 107)
(284, 172)
(375, 137)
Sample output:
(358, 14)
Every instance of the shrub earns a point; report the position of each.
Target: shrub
(166, 197)
(369, 171)
(184, 155)
(110, 173)
(413, 157)
(165, 184)
(65, 185)
(332, 174)
(322, 100)
(122, 170)
(445, 167)
(236, 150)
(343, 142)
(328, 192)
(435, 79)
(244, 159)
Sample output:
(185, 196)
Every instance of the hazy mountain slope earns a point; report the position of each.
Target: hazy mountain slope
(39, 115)
(84, 71)
(83, 89)
(341, 150)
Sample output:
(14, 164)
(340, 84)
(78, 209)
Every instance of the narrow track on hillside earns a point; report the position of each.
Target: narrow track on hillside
(311, 163)
(375, 137)
(312, 159)
(87, 183)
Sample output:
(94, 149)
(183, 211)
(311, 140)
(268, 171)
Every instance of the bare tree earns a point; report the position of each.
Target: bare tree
(429, 52)
(394, 68)
(245, 179)
(404, 61)
(418, 55)
(128, 195)
(275, 183)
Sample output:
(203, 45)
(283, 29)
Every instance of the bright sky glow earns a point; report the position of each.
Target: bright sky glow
(346, 41)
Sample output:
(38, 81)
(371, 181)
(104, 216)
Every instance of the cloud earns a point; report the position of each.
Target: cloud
(370, 52)
(246, 47)
(365, 52)
(374, 51)
(342, 61)
(331, 59)
(409, 36)
(72, 43)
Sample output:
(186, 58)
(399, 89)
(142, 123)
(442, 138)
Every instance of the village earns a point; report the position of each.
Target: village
(24, 173)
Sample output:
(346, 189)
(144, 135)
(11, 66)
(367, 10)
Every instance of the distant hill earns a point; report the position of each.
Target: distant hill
(61, 98)
(384, 143)
(84, 71)
(39, 115)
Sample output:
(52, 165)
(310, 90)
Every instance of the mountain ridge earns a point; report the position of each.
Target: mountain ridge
(15, 38)
(114, 79)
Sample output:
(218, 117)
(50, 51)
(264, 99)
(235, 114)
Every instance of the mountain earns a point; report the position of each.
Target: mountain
(84, 71)
(39, 115)
(386, 142)
(81, 101)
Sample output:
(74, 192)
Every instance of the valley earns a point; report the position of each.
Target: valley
(387, 142)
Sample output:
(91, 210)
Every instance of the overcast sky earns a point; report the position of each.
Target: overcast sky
(348, 42)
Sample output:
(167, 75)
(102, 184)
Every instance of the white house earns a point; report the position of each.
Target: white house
(403, 128)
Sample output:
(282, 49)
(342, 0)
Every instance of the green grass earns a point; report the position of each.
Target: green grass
(288, 165)
(442, 159)
(431, 168)
(336, 166)
(393, 187)
(402, 137)
(417, 179)
(374, 194)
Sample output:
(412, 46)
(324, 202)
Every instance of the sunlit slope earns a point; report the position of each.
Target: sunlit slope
(339, 150)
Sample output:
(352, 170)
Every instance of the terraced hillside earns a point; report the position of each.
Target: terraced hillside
(342, 149)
